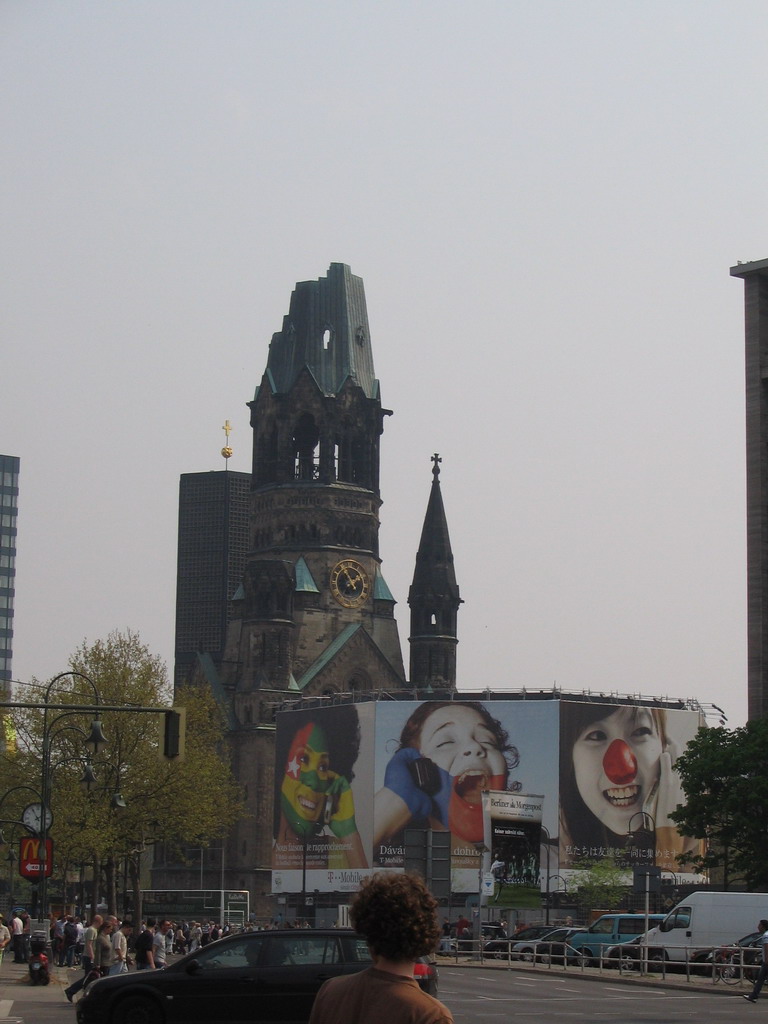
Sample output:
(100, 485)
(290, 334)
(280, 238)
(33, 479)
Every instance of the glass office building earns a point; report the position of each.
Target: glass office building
(9, 497)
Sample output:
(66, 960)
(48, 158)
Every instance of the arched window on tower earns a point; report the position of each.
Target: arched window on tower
(306, 448)
(269, 474)
(359, 473)
(344, 464)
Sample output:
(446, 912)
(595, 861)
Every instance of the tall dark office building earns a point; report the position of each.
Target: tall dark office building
(755, 277)
(212, 547)
(9, 496)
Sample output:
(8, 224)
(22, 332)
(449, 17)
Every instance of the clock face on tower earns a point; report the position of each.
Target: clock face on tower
(349, 583)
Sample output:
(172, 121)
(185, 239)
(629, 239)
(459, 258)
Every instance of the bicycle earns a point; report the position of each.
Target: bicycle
(728, 966)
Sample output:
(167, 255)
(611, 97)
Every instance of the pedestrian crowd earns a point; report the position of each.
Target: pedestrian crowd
(110, 946)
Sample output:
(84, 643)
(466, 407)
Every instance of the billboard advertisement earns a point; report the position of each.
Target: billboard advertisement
(513, 840)
(434, 759)
(322, 823)
(351, 778)
(618, 783)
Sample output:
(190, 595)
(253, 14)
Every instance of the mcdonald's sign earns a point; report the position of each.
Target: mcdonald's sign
(31, 865)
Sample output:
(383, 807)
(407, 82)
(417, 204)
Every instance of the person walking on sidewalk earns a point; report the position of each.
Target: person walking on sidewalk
(17, 926)
(159, 945)
(5, 938)
(87, 956)
(761, 974)
(142, 947)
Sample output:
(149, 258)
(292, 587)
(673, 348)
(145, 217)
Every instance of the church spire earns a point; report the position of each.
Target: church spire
(434, 598)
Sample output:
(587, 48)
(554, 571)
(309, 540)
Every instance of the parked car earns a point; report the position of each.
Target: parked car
(489, 931)
(499, 948)
(610, 930)
(257, 977)
(628, 956)
(553, 947)
(745, 953)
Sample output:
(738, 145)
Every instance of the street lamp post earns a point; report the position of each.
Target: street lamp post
(477, 930)
(172, 744)
(546, 887)
(565, 884)
(95, 739)
(644, 834)
(16, 824)
(10, 857)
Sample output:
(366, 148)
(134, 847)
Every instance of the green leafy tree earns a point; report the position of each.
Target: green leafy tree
(193, 799)
(599, 885)
(724, 775)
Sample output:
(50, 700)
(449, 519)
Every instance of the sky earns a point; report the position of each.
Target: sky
(543, 200)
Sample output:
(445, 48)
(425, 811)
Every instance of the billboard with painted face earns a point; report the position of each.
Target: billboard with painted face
(618, 784)
(349, 779)
(323, 780)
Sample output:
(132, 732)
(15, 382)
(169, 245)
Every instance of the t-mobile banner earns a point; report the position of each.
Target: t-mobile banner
(512, 838)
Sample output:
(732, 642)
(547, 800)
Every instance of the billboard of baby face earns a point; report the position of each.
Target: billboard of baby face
(616, 765)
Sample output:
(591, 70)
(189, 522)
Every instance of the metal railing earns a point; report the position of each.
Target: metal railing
(734, 965)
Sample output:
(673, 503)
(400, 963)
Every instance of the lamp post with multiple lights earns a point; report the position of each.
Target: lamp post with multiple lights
(94, 739)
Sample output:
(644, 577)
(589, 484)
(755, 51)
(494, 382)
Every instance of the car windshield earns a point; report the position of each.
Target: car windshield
(531, 933)
(218, 956)
(602, 927)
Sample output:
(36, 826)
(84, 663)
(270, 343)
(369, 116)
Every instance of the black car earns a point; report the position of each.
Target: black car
(489, 931)
(267, 976)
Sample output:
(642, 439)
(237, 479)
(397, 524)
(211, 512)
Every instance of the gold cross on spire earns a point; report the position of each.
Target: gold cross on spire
(226, 451)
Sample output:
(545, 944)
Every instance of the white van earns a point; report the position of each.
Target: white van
(706, 919)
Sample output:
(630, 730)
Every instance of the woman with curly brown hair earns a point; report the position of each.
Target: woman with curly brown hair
(396, 915)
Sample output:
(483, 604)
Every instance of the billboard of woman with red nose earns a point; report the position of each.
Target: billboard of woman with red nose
(618, 783)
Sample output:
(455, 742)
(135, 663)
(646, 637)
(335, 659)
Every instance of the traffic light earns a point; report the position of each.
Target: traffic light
(174, 733)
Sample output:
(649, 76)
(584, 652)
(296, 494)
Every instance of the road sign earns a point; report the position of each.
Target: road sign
(30, 864)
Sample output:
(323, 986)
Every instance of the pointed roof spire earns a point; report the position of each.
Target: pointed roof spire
(434, 575)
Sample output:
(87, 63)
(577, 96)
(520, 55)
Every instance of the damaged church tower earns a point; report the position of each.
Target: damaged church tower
(314, 615)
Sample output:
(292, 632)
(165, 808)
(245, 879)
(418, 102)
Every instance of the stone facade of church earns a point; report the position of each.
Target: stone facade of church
(314, 615)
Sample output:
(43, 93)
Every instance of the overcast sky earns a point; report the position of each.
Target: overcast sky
(543, 200)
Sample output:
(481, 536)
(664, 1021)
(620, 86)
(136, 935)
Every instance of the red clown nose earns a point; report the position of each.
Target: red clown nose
(619, 763)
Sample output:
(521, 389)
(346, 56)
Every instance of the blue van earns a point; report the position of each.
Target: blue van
(609, 930)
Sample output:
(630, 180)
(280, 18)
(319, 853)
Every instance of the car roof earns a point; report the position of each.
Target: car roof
(296, 932)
